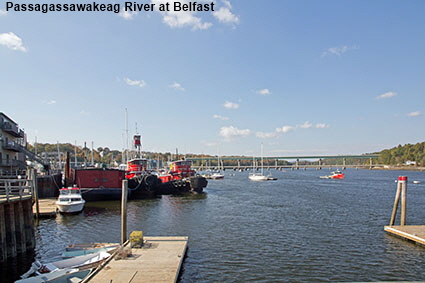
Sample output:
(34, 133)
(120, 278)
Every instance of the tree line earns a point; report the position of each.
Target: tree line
(396, 156)
(399, 155)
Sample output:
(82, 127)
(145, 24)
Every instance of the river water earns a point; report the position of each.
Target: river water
(299, 228)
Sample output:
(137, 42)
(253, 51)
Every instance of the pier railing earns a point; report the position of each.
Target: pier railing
(15, 189)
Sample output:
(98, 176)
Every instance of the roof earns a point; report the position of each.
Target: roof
(10, 120)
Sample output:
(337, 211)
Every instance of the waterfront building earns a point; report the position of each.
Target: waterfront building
(12, 146)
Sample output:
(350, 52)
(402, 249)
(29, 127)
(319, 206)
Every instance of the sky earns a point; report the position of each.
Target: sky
(300, 77)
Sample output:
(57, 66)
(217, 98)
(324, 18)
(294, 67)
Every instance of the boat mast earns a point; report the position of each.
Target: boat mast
(92, 154)
(262, 159)
(75, 154)
(126, 131)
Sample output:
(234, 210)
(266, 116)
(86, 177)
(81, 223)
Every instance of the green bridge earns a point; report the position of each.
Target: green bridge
(311, 161)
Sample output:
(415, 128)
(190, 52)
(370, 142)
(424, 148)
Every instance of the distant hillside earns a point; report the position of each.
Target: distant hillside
(399, 155)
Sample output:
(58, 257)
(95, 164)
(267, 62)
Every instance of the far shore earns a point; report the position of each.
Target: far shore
(405, 168)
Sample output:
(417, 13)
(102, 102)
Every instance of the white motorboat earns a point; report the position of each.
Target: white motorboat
(80, 262)
(257, 177)
(58, 276)
(70, 200)
(217, 175)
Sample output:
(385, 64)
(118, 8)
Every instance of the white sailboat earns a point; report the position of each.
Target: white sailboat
(260, 176)
(217, 174)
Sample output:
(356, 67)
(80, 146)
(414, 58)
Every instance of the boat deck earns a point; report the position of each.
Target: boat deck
(415, 233)
(159, 260)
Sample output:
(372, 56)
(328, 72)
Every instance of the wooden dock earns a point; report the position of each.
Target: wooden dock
(47, 207)
(414, 233)
(159, 260)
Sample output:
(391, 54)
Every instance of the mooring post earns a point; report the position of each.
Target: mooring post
(35, 186)
(401, 182)
(67, 170)
(124, 211)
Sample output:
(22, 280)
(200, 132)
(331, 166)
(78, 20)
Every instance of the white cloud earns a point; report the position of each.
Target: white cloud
(127, 15)
(3, 12)
(388, 94)
(215, 116)
(322, 126)
(12, 41)
(230, 105)
(209, 144)
(414, 114)
(51, 102)
(338, 50)
(178, 19)
(225, 15)
(141, 83)
(176, 86)
(265, 91)
(232, 132)
(285, 129)
(263, 135)
(306, 125)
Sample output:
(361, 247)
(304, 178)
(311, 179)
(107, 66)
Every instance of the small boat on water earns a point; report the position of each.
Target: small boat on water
(84, 249)
(70, 200)
(334, 175)
(212, 175)
(257, 177)
(416, 182)
(260, 176)
(80, 262)
(58, 276)
(217, 176)
(87, 246)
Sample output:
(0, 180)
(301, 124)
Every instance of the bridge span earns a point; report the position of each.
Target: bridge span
(281, 162)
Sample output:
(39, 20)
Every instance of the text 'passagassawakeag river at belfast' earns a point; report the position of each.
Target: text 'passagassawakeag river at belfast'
(116, 8)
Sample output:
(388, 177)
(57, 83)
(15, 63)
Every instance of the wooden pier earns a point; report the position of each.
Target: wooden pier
(159, 260)
(413, 233)
(16, 218)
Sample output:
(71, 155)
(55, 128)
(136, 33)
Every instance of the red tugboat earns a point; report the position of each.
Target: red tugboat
(181, 178)
(140, 181)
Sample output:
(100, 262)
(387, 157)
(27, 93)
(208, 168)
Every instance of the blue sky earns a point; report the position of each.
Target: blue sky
(301, 77)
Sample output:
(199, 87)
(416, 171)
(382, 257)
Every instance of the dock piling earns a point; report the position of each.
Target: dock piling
(35, 193)
(401, 192)
(124, 212)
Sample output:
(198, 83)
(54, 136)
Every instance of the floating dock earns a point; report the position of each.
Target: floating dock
(414, 233)
(159, 260)
(47, 207)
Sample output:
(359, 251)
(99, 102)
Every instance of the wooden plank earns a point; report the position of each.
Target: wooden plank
(159, 260)
(415, 233)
